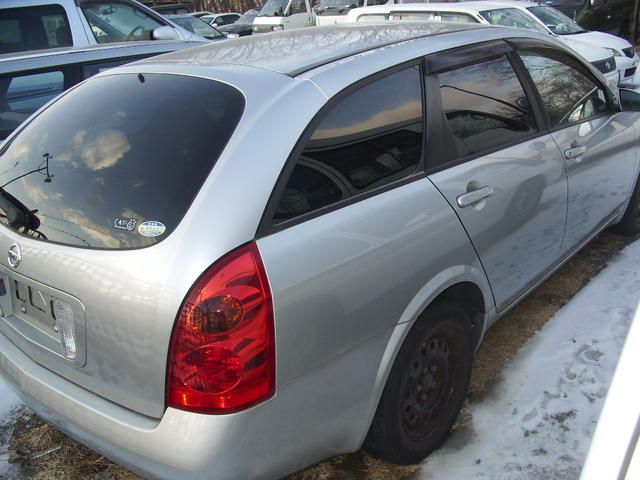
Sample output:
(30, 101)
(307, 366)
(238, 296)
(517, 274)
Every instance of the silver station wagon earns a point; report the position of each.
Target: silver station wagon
(234, 261)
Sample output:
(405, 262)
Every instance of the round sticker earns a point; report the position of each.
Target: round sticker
(151, 228)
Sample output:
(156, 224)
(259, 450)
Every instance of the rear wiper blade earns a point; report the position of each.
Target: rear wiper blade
(17, 214)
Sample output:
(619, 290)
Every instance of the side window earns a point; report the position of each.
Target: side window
(115, 21)
(370, 138)
(484, 107)
(568, 92)
(20, 96)
(298, 6)
(34, 28)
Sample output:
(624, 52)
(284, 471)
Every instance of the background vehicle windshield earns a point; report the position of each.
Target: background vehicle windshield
(337, 4)
(114, 21)
(511, 17)
(247, 18)
(197, 26)
(556, 21)
(273, 8)
(116, 162)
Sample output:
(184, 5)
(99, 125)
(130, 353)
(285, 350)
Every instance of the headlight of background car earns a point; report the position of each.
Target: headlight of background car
(614, 52)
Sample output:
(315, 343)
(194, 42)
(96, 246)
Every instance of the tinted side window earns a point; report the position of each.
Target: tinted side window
(20, 96)
(298, 6)
(34, 28)
(371, 137)
(484, 107)
(568, 93)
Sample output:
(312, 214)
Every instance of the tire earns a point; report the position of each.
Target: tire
(630, 223)
(426, 387)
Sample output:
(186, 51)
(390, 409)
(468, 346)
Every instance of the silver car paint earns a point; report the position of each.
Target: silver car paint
(331, 369)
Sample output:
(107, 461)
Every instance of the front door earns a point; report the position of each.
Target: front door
(597, 143)
(506, 181)
(298, 15)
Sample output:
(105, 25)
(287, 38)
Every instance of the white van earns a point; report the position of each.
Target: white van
(330, 12)
(284, 15)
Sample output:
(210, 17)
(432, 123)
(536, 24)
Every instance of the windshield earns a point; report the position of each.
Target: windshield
(247, 18)
(197, 26)
(512, 17)
(336, 4)
(116, 162)
(556, 21)
(273, 8)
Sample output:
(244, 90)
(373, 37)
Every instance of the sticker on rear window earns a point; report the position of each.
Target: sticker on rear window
(151, 228)
(122, 223)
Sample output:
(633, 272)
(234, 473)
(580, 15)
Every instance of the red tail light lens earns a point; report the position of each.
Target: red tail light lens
(222, 352)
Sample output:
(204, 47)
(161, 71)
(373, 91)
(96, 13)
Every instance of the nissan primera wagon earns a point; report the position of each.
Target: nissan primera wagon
(235, 261)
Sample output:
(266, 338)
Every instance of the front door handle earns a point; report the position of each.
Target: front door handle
(474, 196)
(574, 152)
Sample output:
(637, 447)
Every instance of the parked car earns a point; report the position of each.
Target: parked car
(559, 24)
(197, 294)
(30, 80)
(221, 19)
(331, 12)
(615, 447)
(493, 13)
(173, 9)
(278, 15)
(197, 26)
(27, 25)
(201, 14)
(242, 27)
(611, 16)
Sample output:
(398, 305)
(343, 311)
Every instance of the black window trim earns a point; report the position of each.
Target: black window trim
(461, 57)
(267, 226)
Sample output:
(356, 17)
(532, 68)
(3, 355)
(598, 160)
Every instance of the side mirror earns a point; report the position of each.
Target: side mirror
(629, 100)
(165, 33)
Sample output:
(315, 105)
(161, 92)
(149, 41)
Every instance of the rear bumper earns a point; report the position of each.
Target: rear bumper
(310, 419)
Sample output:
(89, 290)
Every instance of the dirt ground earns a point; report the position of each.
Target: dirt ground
(41, 452)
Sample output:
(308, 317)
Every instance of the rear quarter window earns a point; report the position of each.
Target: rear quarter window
(116, 162)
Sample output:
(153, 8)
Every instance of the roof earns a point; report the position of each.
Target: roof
(292, 52)
(33, 59)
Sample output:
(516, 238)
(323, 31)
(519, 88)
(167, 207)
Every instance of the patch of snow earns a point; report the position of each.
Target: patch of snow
(538, 422)
(8, 399)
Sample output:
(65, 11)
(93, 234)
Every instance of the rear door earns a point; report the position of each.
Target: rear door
(596, 141)
(495, 165)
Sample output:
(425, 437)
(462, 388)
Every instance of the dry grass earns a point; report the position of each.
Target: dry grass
(44, 453)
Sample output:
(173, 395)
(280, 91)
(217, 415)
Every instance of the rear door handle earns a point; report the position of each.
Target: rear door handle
(574, 152)
(474, 196)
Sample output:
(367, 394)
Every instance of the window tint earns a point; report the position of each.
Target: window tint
(370, 138)
(512, 17)
(568, 93)
(20, 96)
(484, 107)
(116, 170)
(33, 28)
(298, 6)
(114, 21)
(432, 17)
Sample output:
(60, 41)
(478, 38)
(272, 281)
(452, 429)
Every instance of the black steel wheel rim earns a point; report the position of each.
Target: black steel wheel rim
(429, 384)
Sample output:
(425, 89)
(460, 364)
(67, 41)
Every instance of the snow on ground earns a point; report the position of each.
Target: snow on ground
(8, 401)
(538, 422)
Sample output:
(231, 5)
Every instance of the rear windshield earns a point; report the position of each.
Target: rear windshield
(116, 162)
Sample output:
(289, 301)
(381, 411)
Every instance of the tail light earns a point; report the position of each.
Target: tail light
(222, 352)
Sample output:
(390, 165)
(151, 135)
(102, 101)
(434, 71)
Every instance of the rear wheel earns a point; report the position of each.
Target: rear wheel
(630, 223)
(426, 387)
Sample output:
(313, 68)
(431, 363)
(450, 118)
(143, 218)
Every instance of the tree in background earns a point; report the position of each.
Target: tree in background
(634, 22)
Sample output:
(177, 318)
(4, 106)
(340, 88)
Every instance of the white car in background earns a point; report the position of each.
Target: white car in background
(492, 13)
(557, 23)
(220, 19)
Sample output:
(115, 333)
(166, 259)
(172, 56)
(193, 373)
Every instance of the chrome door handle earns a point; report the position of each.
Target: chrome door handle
(574, 152)
(474, 196)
